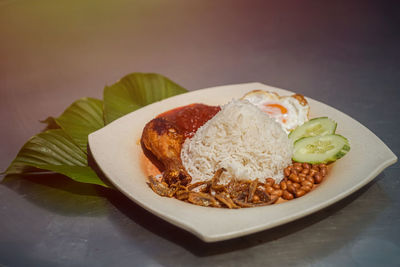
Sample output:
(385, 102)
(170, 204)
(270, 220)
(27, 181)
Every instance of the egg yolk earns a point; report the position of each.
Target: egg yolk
(276, 110)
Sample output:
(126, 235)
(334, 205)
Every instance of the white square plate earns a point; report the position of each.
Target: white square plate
(117, 151)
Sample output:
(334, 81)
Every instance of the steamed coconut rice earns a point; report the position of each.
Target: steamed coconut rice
(243, 140)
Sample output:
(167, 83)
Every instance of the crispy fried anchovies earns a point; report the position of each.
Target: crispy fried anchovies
(262, 195)
(226, 200)
(203, 199)
(252, 189)
(195, 185)
(272, 200)
(206, 188)
(215, 180)
(239, 190)
(243, 204)
(242, 186)
(161, 188)
(182, 194)
(182, 187)
(235, 194)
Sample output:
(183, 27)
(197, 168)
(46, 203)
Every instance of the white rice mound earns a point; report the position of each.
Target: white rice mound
(243, 140)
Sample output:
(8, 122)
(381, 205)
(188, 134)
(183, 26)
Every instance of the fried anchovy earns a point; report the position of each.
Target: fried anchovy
(203, 199)
(226, 200)
(215, 180)
(161, 188)
(252, 190)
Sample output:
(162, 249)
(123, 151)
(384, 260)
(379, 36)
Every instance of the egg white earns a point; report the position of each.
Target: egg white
(288, 111)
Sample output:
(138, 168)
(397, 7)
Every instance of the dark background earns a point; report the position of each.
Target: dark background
(343, 53)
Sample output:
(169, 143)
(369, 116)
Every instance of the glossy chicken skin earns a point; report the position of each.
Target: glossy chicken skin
(164, 140)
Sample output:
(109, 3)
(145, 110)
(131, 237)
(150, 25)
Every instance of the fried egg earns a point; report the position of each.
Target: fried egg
(288, 111)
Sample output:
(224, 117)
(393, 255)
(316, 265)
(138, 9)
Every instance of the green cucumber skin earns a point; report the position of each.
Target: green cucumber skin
(341, 153)
(304, 125)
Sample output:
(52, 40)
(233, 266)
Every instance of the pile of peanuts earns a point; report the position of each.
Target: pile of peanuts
(299, 180)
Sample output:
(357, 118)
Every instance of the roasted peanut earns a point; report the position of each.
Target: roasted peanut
(305, 171)
(256, 199)
(300, 193)
(298, 168)
(306, 188)
(323, 171)
(269, 181)
(291, 188)
(286, 195)
(297, 164)
(278, 192)
(299, 180)
(317, 178)
(312, 172)
(283, 185)
(306, 166)
(307, 183)
(294, 178)
(269, 189)
(286, 171)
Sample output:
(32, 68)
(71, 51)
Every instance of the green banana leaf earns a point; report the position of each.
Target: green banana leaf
(136, 90)
(55, 151)
(62, 147)
(80, 119)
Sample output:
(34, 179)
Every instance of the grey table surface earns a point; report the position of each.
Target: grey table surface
(343, 53)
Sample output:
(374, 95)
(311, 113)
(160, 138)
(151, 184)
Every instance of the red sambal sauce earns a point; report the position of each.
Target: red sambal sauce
(191, 117)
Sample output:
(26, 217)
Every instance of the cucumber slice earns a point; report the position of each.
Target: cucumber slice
(320, 149)
(314, 127)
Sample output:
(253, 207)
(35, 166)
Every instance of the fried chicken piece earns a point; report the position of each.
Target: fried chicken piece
(164, 140)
